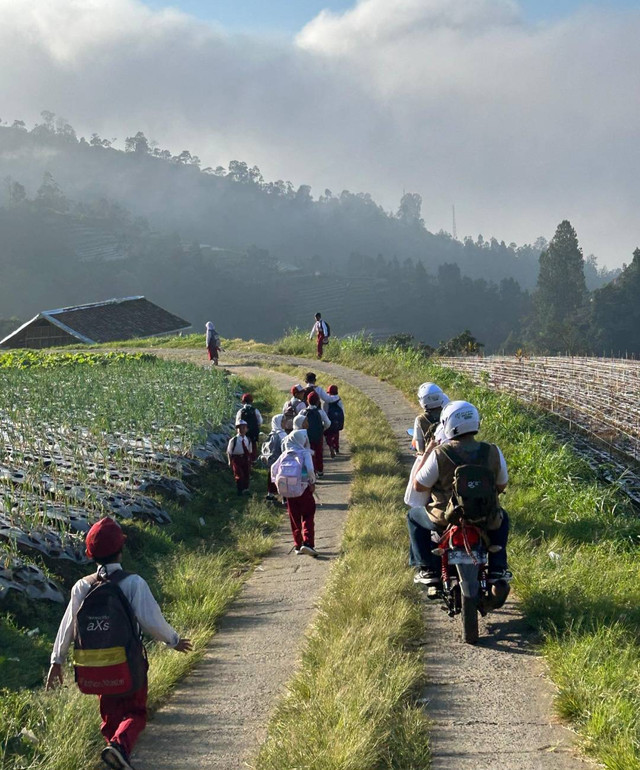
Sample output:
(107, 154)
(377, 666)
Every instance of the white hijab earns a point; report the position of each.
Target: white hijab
(298, 440)
(299, 421)
(276, 425)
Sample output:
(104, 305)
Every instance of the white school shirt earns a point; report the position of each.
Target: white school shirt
(428, 475)
(324, 396)
(137, 592)
(319, 326)
(297, 407)
(240, 417)
(234, 447)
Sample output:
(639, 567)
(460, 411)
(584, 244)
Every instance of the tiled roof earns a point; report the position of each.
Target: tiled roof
(115, 319)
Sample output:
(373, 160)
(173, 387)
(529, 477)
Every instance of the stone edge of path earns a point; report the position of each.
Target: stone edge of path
(217, 716)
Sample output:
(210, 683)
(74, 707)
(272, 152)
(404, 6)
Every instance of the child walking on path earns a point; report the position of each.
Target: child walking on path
(271, 450)
(318, 423)
(249, 414)
(321, 332)
(124, 716)
(301, 503)
(213, 343)
(335, 413)
(239, 454)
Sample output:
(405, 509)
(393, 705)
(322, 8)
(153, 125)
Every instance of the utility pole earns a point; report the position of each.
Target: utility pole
(454, 230)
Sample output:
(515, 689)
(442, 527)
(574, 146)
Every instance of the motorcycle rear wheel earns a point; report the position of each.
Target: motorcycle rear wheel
(469, 617)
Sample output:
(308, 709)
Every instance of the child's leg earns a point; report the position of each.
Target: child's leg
(308, 503)
(295, 518)
(124, 717)
(318, 461)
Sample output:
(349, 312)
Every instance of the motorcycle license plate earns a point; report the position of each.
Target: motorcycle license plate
(462, 557)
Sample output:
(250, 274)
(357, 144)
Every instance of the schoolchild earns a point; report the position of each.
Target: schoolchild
(318, 423)
(271, 450)
(124, 716)
(292, 407)
(251, 415)
(320, 331)
(239, 456)
(301, 503)
(310, 386)
(431, 399)
(213, 343)
(300, 422)
(335, 413)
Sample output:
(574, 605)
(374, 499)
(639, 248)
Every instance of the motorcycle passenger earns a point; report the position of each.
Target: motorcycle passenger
(460, 424)
(431, 399)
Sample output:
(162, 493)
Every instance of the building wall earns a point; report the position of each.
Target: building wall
(41, 334)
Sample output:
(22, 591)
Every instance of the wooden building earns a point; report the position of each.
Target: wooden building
(114, 319)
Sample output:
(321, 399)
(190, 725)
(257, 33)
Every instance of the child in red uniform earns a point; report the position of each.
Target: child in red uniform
(239, 452)
(318, 423)
(335, 413)
(123, 716)
(321, 333)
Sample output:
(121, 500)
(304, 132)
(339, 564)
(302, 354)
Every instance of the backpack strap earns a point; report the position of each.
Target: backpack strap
(454, 458)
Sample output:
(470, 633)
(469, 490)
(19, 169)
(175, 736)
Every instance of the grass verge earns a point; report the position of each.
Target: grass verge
(351, 704)
(573, 549)
(194, 571)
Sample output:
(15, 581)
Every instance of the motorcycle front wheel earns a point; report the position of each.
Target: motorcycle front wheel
(469, 617)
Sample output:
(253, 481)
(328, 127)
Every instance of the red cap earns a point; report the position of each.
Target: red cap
(313, 398)
(247, 398)
(104, 539)
(333, 390)
(296, 389)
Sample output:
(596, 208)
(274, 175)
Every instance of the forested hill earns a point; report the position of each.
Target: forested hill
(82, 221)
(234, 207)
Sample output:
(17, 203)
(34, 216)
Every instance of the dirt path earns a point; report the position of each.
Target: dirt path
(492, 704)
(217, 717)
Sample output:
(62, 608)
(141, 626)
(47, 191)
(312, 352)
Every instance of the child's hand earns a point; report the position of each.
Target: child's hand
(54, 677)
(184, 645)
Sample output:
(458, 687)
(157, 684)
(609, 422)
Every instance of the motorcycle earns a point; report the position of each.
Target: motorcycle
(466, 588)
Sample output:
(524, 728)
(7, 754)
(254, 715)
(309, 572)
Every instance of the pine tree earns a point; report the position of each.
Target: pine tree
(561, 294)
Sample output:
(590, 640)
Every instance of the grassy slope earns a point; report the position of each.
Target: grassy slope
(584, 602)
(195, 572)
(351, 704)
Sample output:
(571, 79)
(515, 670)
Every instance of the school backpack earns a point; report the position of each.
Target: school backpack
(289, 474)
(248, 414)
(474, 496)
(336, 415)
(109, 657)
(315, 431)
(309, 389)
(328, 334)
(271, 449)
(288, 413)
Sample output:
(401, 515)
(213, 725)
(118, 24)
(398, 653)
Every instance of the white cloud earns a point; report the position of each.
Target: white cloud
(460, 100)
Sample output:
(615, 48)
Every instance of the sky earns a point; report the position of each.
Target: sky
(521, 114)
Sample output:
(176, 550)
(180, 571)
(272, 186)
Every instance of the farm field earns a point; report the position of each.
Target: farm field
(84, 434)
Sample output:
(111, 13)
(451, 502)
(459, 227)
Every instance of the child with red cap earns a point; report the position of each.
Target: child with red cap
(318, 423)
(335, 413)
(123, 716)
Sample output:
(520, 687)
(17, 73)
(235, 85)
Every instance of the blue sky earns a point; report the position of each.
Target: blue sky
(288, 16)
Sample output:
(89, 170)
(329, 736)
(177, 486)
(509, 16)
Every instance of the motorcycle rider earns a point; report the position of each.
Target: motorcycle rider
(432, 400)
(460, 423)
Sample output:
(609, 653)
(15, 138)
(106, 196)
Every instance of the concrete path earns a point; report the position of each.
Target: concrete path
(491, 704)
(217, 716)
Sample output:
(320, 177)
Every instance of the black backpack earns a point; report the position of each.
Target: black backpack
(109, 656)
(248, 414)
(474, 496)
(328, 334)
(336, 415)
(309, 389)
(315, 431)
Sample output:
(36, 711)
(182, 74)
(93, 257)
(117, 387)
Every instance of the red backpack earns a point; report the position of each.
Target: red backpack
(109, 657)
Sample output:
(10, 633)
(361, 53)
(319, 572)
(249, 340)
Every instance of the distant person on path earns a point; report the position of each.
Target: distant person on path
(249, 414)
(271, 450)
(318, 423)
(239, 454)
(124, 716)
(292, 407)
(322, 333)
(294, 477)
(213, 343)
(335, 413)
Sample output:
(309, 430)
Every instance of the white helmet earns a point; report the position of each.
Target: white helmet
(430, 395)
(458, 418)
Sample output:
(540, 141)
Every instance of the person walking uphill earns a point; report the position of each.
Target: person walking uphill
(249, 414)
(104, 619)
(294, 477)
(318, 422)
(239, 454)
(213, 343)
(322, 333)
(335, 413)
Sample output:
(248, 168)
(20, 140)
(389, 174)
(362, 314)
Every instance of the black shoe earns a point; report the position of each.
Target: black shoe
(115, 757)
